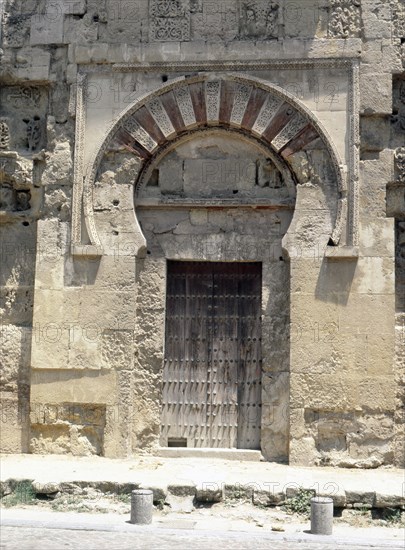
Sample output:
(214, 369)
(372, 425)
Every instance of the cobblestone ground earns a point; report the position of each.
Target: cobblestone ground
(28, 538)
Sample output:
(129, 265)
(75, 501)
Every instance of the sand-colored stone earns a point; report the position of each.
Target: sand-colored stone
(101, 184)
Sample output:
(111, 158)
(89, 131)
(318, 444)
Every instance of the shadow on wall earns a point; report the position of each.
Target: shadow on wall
(335, 280)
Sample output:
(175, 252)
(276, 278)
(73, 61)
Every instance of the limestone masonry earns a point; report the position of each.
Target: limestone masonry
(202, 224)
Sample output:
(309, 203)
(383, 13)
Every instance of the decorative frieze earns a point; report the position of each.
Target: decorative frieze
(240, 102)
(169, 20)
(259, 19)
(345, 19)
(400, 163)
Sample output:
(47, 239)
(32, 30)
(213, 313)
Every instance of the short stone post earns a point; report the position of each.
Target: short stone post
(321, 515)
(141, 506)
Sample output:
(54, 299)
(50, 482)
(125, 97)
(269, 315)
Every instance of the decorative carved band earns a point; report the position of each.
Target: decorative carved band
(78, 173)
(161, 117)
(185, 104)
(212, 100)
(267, 112)
(289, 131)
(140, 134)
(240, 102)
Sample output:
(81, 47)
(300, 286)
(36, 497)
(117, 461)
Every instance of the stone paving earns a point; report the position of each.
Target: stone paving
(29, 538)
(266, 482)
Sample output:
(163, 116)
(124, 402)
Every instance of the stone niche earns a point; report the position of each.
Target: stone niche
(217, 197)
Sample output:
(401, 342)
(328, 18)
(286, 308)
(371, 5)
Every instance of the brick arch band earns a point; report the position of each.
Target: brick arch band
(254, 107)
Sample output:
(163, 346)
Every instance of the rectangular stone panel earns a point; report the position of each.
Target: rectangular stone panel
(169, 21)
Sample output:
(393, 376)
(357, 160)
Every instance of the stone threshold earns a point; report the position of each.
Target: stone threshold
(224, 454)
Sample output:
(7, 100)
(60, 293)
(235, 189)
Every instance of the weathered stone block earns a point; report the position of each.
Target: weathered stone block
(47, 27)
(377, 19)
(33, 64)
(308, 19)
(376, 93)
(15, 356)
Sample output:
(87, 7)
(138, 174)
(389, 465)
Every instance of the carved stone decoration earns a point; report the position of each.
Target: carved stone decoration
(140, 134)
(161, 117)
(169, 20)
(258, 19)
(196, 6)
(345, 19)
(240, 102)
(400, 163)
(212, 100)
(340, 219)
(25, 96)
(266, 113)
(34, 132)
(289, 131)
(12, 200)
(4, 134)
(18, 195)
(23, 200)
(200, 102)
(185, 104)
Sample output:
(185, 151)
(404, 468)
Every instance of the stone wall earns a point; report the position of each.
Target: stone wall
(82, 327)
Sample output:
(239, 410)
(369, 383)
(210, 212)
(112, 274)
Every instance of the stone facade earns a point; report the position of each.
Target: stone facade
(136, 132)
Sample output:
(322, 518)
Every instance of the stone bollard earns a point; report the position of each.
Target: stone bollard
(141, 506)
(321, 515)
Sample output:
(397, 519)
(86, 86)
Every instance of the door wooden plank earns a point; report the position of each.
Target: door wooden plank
(249, 366)
(224, 347)
(211, 390)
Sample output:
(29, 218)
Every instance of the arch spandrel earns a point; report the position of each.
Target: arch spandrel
(250, 107)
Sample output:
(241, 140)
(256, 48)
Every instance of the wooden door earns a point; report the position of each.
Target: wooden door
(211, 395)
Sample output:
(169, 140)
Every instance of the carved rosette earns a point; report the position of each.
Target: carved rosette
(400, 163)
(345, 19)
(169, 20)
